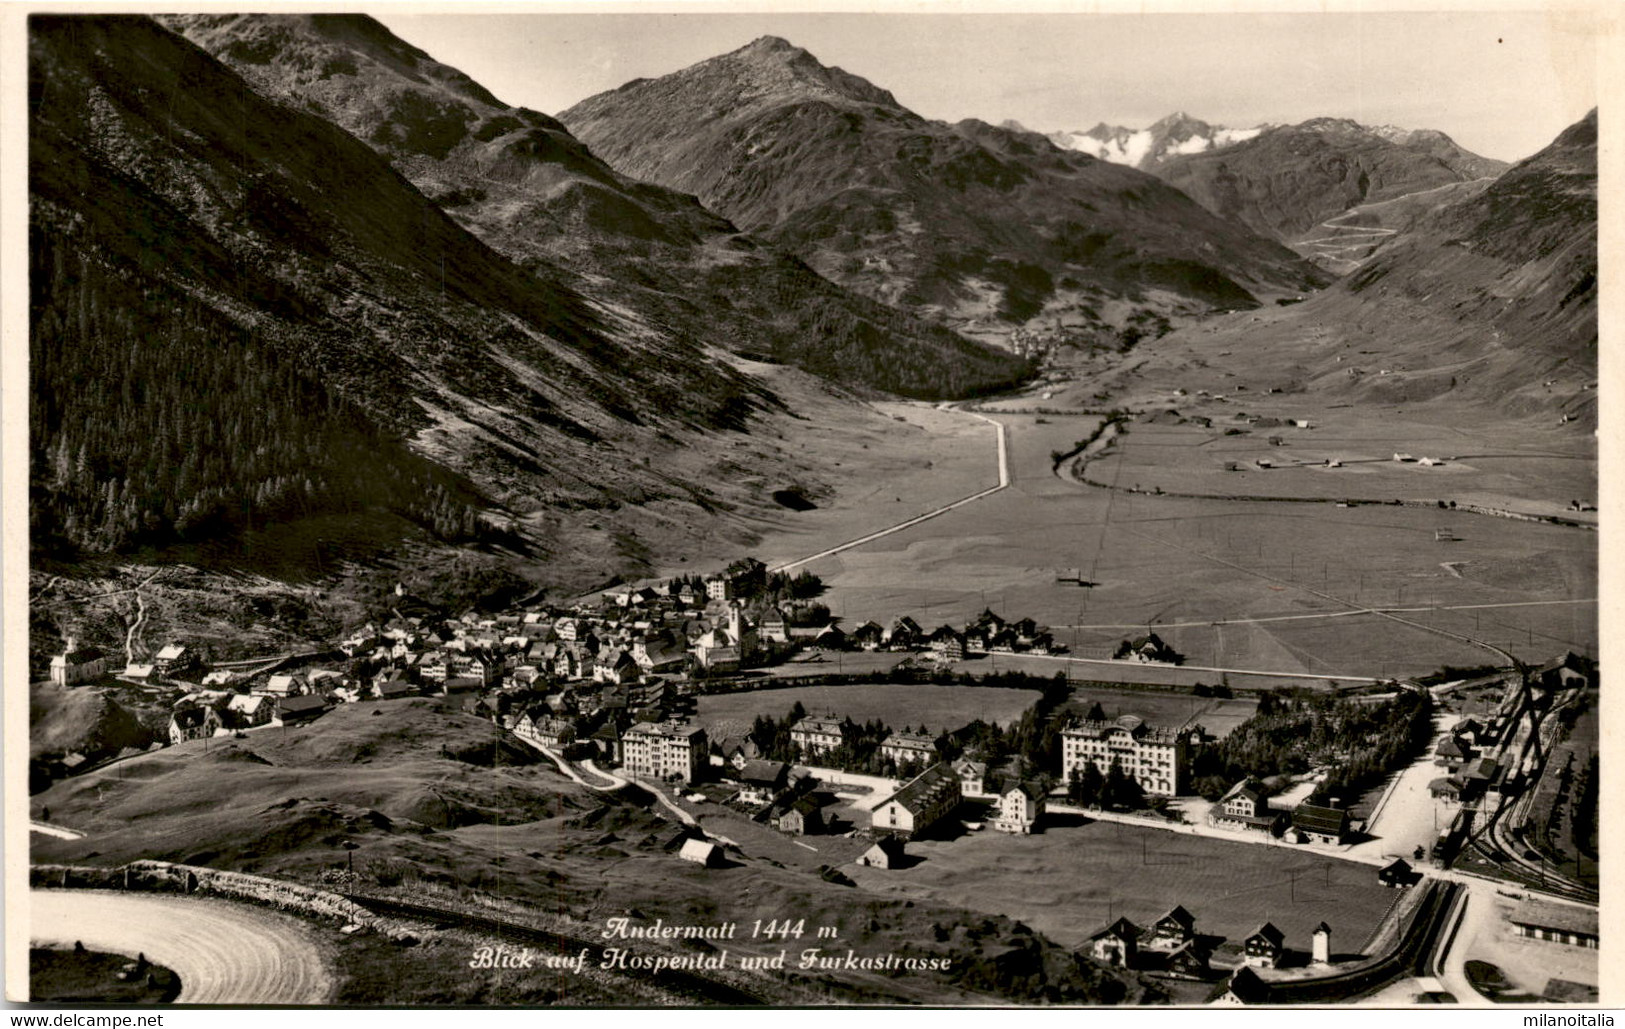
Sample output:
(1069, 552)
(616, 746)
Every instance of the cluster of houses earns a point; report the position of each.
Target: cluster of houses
(612, 674)
(1245, 807)
(986, 634)
(1473, 777)
(937, 790)
(1171, 946)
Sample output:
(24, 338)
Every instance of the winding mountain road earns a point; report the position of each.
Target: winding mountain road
(225, 953)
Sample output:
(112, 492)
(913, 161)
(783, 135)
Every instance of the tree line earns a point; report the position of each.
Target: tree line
(1358, 744)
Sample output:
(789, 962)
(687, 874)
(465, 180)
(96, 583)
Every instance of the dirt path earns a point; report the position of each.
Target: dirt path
(135, 626)
(225, 953)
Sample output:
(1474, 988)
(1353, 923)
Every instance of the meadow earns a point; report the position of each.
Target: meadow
(1251, 585)
(942, 708)
(1072, 879)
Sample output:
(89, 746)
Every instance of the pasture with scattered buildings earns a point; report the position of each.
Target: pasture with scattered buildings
(1076, 876)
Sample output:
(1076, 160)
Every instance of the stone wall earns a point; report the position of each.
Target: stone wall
(169, 877)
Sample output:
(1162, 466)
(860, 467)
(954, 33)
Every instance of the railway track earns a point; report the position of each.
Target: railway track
(1415, 955)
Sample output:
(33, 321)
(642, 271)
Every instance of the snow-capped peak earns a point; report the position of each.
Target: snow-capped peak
(1172, 136)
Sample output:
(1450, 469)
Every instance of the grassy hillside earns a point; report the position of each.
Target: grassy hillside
(82, 719)
(437, 806)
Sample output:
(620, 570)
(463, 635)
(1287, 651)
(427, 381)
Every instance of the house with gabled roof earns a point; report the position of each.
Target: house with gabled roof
(78, 664)
(800, 817)
(1245, 807)
(1177, 926)
(915, 748)
(887, 852)
(775, 626)
(816, 735)
(919, 804)
(174, 658)
(1397, 873)
(1117, 944)
(1318, 823)
(1148, 649)
(301, 709)
(830, 638)
(1189, 960)
(192, 722)
(972, 776)
(701, 852)
(659, 654)
(1245, 987)
(947, 644)
(607, 738)
(1264, 946)
(395, 689)
(904, 634)
(285, 685)
(1572, 924)
(761, 781)
(1452, 752)
(614, 665)
(1021, 805)
(870, 635)
(247, 710)
(989, 621)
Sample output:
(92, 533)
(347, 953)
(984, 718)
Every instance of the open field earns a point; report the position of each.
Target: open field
(942, 708)
(913, 458)
(1245, 584)
(1071, 879)
(1507, 470)
(1217, 716)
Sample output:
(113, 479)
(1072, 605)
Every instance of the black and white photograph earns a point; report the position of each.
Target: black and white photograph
(625, 506)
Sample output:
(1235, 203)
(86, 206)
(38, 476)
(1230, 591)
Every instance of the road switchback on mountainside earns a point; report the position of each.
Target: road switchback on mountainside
(224, 952)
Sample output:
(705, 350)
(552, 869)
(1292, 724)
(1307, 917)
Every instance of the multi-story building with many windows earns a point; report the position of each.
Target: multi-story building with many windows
(815, 736)
(1156, 757)
(656, 750)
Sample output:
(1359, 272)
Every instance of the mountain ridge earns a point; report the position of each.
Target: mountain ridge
(284, 329)
(975, 222)
(524, 184)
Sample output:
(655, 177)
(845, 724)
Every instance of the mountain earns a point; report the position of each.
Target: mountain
(243, 320)
(970, 221)
(521, 182)
(1489, 300)
(1148, 148)
(1287, 180)
(1517, 262)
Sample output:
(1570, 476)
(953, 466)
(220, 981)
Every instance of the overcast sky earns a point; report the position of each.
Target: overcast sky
(1501, 83)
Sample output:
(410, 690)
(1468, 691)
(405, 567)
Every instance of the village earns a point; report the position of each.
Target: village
(607, 690)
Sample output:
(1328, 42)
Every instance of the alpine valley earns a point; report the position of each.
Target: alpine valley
(833, 555)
